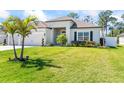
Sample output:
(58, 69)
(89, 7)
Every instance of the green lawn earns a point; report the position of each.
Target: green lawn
(65, 64)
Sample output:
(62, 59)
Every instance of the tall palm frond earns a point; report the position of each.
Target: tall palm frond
(24, 29)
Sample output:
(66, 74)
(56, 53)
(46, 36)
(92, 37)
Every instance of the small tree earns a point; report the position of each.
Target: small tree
(105, 18)
(9, 26)
(61, 39)
(73, 15)
(88, 19)
(24, 29)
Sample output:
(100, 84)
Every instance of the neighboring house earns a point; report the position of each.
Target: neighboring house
(121, 38)
(48, 31)
(3, 37)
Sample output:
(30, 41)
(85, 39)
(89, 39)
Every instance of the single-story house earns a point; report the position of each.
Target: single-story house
(48, 31)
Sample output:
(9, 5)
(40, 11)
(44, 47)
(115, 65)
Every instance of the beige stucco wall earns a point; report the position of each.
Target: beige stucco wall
(60, 24)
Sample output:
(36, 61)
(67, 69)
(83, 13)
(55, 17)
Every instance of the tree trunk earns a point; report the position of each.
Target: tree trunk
(106, 32)
(106, 25)
(106, 29)
(103, 36)
(15, 54)
(22, 50)
(112, 33)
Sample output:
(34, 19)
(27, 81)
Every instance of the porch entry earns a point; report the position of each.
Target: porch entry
(57, 32)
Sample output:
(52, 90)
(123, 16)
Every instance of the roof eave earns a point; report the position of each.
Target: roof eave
(44, 27)
(85, 27)
(59, 20)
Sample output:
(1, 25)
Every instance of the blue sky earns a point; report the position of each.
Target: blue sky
(49, 14)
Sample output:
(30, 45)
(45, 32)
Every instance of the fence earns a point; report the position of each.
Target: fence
(111, 41)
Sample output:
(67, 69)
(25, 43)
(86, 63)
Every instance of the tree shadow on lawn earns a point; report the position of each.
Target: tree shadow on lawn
(113, 47)
(110, 47)
(39, 64)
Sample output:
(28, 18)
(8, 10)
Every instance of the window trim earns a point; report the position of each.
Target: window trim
(83, 35)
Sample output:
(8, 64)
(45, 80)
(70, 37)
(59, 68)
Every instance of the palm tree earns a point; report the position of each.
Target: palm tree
(9, 26)
(24, 29)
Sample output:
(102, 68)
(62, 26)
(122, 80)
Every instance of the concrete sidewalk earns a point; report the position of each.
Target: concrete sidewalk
(2, 48)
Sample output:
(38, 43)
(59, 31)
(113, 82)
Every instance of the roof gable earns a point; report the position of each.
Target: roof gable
(76, 23)
(63, 18)
(41, 24)
(80, 24)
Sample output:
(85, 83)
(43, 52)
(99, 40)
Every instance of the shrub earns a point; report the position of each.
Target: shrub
(61, 39)
(4, 42)
(50, 44)
(97, 45)
(68, 45)
(78, 43)
(75, 43)
(90, 43)
(84, 44)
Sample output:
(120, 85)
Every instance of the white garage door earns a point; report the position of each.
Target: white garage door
(121, 40)
(35, 38)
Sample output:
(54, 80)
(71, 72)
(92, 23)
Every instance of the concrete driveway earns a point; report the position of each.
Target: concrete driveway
(3, 48)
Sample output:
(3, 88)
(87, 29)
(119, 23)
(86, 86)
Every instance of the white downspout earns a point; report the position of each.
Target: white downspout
(52, 36)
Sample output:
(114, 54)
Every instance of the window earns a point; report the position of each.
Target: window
(83, 36)
(80, 36)
(86, 36)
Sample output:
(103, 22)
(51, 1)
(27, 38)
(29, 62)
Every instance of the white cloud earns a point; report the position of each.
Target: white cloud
(38, 13)
(118, 14)
(118, 17)
(75, 11)
(4, 14)
(92, 13)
